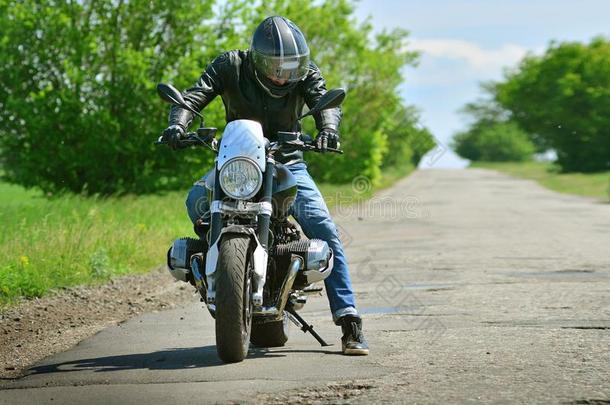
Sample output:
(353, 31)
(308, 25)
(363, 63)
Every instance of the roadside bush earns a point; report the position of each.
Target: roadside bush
(78, 108)
(408, 141)
(497, 142)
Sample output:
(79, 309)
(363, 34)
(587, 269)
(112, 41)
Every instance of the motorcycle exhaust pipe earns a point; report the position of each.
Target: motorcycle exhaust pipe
(295, 266)
(284, 294)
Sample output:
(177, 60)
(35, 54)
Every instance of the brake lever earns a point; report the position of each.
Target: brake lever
(192, 136)
(212, 145)
(313, 147)
(183, 143)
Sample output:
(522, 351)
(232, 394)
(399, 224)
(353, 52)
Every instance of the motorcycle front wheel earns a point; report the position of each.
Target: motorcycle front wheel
(233, 303)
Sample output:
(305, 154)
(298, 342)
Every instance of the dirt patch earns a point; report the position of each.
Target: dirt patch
(335, 393)
(35, 329)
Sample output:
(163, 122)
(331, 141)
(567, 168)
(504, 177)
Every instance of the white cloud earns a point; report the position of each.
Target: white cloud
(482, 60)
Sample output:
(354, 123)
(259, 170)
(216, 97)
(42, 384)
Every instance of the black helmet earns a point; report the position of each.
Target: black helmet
(280, 55)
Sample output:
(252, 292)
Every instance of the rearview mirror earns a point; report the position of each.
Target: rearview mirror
(170, 94)
(331, 99)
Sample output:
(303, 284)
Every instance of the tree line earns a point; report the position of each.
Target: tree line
(79, 112)
(558, 101)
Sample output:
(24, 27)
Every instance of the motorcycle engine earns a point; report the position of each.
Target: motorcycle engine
(317, 258)
(179, 257)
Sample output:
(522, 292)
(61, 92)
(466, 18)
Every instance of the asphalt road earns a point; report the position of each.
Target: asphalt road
(475, 287)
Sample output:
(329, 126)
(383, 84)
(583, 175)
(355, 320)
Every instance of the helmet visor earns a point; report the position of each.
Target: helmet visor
(282, 68)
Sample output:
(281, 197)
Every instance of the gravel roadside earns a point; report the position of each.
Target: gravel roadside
(35, 329)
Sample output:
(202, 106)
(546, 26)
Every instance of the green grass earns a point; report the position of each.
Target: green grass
(70, 240)
(584, 184)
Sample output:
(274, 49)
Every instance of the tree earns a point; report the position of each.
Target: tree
(491, 135)
(408, 141)
(78, 110)
(494, 142)
(562, 99)
(377, 127)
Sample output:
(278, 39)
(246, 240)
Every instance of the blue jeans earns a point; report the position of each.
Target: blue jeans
(310, 211)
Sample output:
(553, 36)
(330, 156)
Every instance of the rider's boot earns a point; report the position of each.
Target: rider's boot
(353, 341)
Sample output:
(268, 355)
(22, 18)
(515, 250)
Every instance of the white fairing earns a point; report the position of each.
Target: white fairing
(210, 268)
(260, 259)
(242, 138)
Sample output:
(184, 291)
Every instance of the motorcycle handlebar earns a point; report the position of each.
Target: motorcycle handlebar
(301, 141)
(314, 148)
(192, 139)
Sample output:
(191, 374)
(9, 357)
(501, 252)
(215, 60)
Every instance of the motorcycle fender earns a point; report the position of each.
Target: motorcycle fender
(259, 257)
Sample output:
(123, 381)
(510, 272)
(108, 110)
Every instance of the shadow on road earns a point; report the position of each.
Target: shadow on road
(168, 359)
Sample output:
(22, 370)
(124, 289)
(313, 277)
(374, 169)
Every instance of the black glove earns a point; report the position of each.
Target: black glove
(327, 138)
(172, 135)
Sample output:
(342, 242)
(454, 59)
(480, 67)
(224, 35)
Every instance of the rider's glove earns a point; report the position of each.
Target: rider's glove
(327, 138)
(172, 135)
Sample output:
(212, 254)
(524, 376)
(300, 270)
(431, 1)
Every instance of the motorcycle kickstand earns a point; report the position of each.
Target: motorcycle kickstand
(304, 326)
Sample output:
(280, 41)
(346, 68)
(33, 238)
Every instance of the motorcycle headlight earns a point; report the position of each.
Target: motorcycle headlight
(240, 179)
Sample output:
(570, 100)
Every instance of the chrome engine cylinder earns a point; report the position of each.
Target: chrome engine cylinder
(317, 259)
(179, 257)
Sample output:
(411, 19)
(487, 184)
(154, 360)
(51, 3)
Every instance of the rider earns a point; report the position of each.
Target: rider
(270, 83)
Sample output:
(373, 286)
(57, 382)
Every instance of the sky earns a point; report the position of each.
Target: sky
(465, 42)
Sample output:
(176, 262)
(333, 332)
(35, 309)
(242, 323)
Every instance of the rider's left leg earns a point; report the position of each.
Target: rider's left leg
(311, 212)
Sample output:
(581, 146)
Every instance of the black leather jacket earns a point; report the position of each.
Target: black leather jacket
(231, 75)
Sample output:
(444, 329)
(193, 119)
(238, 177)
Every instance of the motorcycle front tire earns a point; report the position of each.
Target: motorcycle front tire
(233, 298)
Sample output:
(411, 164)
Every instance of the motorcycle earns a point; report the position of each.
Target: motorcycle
(251, 265)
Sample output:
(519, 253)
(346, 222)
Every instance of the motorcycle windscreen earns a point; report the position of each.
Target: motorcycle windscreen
(242, 138)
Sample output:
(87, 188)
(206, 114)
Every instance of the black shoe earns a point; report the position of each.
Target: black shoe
(353, 341)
